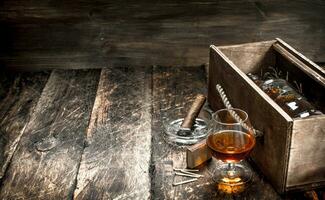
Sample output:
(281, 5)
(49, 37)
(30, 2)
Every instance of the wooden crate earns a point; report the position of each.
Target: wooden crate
(291, 154)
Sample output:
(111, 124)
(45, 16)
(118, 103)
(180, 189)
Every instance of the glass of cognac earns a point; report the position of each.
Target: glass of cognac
(231, 139)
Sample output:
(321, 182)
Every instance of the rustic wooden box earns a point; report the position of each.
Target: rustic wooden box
(291, 154)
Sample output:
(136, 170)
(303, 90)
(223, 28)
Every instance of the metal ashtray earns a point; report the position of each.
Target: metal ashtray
(198, 132)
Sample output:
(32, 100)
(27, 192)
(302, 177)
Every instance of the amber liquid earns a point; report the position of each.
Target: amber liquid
(230, 146)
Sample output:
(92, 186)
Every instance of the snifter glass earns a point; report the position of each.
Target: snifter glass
(230, 140)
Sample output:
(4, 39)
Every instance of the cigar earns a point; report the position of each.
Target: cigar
(191, 115)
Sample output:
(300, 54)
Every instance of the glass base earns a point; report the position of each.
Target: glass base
(232, 178)
(232, 174)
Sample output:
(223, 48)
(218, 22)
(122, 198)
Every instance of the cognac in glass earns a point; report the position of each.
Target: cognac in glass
(231, 140)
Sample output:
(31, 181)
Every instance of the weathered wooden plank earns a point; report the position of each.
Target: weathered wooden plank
(173, 91)
(46, 161)
(83, 33)
(115, 163)
(16, 106)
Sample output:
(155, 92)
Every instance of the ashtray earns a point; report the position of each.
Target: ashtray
(198, 131)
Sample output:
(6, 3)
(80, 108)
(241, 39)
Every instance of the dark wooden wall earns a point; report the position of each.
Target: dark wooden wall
(98, 33)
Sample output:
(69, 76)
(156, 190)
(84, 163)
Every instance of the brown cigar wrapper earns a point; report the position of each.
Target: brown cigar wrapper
(197, 154)
(193, 112)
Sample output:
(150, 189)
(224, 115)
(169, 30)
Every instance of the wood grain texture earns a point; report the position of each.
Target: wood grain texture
(83, 33)
(46, 161)
(116, 144)
(173, 91)
(250, 56)
(16, 107)
(307, 153)
(115, 163)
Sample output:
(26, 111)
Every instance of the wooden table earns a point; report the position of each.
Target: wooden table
(98, 134)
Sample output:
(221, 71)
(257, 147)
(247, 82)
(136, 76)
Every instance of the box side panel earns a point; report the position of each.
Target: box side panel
(301, 57)
(250, 57)
(270, 152)
(307, 152)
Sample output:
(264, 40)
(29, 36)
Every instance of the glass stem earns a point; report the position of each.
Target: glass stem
(231, 170)
(231, 166)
